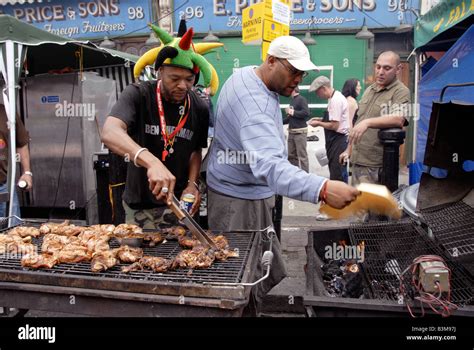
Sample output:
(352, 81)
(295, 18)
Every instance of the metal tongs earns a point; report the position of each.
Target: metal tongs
(192, 225)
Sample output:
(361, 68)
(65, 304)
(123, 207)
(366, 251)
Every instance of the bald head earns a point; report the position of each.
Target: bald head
(391, 55)
(387, 67)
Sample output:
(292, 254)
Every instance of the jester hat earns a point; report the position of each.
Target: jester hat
(179, 52)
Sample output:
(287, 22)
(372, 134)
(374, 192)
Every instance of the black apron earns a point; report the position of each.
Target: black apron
(336, 143)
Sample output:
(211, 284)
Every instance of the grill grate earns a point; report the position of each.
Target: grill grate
(453, 227)
(390, 248)
(229, 271)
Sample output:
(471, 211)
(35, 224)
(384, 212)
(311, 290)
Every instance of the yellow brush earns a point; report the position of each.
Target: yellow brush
(375, 199)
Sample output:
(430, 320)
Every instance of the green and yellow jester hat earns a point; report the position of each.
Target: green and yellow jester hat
(181, 52)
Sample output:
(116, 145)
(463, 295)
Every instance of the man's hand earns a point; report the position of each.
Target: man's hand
(289, 111)
(192, 189)
(161, 182)
(344, 157)
(340, 194)
(357, 132)
(314, 122)
(28, 179)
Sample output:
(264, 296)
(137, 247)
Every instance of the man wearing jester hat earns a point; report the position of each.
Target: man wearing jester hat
(161, 127)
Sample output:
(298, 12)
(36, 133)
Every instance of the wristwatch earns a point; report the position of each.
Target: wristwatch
(28, 173)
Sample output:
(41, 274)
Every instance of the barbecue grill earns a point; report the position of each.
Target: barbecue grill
(442, 224)
(390, 247)
(74, 288)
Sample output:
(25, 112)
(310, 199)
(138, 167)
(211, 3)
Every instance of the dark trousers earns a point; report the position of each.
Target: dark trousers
(335, 145)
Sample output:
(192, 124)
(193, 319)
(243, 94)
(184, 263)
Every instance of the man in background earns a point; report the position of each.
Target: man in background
(336, 127)
(296, 115)
(382, 106)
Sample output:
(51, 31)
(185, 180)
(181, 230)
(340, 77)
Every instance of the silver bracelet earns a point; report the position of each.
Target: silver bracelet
(194, 183)
(28, 173)
(137, 154)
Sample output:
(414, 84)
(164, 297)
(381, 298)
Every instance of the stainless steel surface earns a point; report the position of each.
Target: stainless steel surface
(101, 93)
(192, 225)
(66, 109)
(48, 135)
(408, 199)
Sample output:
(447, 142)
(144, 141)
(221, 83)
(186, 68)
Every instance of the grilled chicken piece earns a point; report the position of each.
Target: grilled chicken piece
(221, 242)
(14, 244)
(187, 242)
(127, 230)
(96, 245)
(133, 267)
(49, 227)
(107, 229)
(52, 237)
(174, 232)
(154, 263)
(197, 258)
(73, 254)
(37, 261)
(51, 247)
(25, 231)
(71, 230)
(128, 254)
(103, 260)
(53, 243)
(154, 238)
(17, 248)
(63, 229)
(94, 241)
(88, 234)
(4, 239)
(22, 248)
(223, 254)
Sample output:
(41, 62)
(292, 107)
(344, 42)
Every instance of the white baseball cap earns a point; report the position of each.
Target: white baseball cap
(294, 51)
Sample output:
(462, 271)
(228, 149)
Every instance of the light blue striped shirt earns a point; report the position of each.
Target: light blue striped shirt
(248, 157)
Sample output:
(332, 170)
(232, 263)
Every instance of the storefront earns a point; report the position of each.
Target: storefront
(123, 23)
(333, 24)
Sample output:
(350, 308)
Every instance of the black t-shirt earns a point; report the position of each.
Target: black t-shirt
(137, 107)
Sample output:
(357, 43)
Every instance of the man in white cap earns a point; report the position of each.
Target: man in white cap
(248, 162)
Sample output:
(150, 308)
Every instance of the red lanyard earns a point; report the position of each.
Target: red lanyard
(168, 139)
